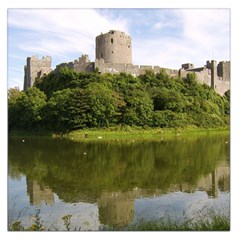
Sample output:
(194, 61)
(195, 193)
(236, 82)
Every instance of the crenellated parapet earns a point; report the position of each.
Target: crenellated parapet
(36, 68)
(114, 55)
(215, 75)
(82, 64)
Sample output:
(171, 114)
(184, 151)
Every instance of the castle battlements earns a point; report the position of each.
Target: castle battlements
(114, 55)
(36, 68)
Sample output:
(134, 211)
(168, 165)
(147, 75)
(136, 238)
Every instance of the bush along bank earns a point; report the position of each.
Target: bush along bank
(67, 101)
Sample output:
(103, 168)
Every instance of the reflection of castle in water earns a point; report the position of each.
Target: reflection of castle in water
(217, 179)
(116, 209)
(39, 193)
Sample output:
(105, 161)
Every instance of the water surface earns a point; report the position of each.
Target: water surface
(115, 183)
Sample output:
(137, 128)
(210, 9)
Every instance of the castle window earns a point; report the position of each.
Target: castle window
(128, 46)
(112, 51)
(101, 55)
(111, 40)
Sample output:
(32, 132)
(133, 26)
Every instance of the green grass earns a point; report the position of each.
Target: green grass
(127, 132)
(210, 220)
(218, 223)
(141, 133)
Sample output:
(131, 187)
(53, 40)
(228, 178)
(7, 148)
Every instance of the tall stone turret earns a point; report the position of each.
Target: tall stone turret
(213, 73)
(35, 68)
(114, 47)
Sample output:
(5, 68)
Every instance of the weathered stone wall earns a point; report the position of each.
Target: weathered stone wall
(114, 47)
(114, 55)
(221, 86)
(36, 68)
(187, 66)
(221, 77)
(135, 70)
(223, 70)
(214, 75)
(83, 64)
(203, 74)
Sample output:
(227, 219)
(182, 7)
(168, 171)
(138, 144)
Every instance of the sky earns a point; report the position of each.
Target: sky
(161, 37)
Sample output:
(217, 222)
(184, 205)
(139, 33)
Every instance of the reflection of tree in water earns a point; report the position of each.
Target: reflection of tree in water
(115, 166)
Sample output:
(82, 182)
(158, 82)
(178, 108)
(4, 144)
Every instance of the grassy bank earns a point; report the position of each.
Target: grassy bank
(127, 132)
(217, 223)
(213, 221)
(141, 133)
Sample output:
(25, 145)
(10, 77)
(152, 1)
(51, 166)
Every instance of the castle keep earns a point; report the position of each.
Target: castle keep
(114, 47)
(114, 55)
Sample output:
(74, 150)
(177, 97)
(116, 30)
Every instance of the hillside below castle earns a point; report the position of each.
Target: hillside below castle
(114, 55)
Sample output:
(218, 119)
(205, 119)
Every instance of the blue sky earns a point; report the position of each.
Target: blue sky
(162, 37)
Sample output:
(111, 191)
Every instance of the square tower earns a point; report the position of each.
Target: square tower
(36, 68)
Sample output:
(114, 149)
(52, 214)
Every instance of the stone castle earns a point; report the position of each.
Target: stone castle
(114, 55)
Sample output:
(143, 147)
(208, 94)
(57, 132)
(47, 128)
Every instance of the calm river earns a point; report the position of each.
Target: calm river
(116, 183)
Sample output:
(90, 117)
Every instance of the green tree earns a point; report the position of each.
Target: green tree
(168, 118)
(227, 102)
(32, 106)
(13, 110)
(227, 95)
(27, 109)
(65, 78)
(67, 110)
(139, 109)
(13, 95)
(124, 83)
(167, 99)
(105, 105)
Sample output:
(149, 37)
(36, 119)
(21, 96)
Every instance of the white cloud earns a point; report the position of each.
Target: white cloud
(208, 29)
(15, 81)
(167, 38)
(201, 35)
(60, 31)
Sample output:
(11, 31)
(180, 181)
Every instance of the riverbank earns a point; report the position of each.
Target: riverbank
(214, 221)
(127, 132)
(141, 133)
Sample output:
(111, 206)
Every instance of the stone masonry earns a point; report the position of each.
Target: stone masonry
(114, 55)
(36, 68)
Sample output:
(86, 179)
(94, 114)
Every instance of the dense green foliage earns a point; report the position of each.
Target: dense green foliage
(67, 100)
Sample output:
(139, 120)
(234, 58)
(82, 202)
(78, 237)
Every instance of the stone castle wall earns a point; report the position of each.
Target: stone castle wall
(114, 55)
(36, 68)
(214, 75)
(81, 65)
(134, 70)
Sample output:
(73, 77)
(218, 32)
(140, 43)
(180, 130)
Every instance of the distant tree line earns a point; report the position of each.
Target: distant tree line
(68, 100)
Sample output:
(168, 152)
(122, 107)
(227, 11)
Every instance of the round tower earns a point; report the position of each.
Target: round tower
(114, 47)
